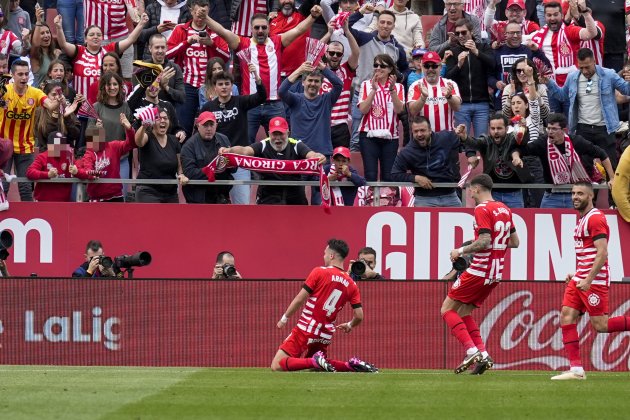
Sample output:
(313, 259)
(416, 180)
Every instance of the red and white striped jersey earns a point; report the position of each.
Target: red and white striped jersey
(590, 227)
(87, 66)
(266, 57)
(495, 218)
(8, 42)
(477, 8)
(596, 45)
(330, 288)
(381, 117)
(561, 48)
(341, 109)
(193, 59)
(242, 26)
(436, 108)
(109, 15)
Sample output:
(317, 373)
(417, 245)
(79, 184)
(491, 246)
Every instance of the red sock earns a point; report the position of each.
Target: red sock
(473, 330)
(458, 328)
(340, 366)
(571, 343)
(296, 363)
(619, 323)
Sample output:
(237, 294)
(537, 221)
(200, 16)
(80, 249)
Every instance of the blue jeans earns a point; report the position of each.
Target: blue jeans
(186, 112)
(556, 201)
(240, 194)
(356, 121)
(477, 114)
(73, 21)
(513, 200)
(261, 115)
(375, 151)
(446, 200)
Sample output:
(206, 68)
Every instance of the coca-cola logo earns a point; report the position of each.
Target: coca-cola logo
(529, 335)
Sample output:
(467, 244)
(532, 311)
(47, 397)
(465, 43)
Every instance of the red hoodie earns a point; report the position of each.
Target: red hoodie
(107, 162)
(39, 170)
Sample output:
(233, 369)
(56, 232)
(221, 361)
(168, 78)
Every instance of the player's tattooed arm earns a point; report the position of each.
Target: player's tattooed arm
(480, 244)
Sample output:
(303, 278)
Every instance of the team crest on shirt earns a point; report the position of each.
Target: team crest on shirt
(30, 101)
(456, 284)
(64, 166)
(270, 48)
(378, 111)
(593, 299)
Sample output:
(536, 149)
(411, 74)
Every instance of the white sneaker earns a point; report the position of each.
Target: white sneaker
(569, 375)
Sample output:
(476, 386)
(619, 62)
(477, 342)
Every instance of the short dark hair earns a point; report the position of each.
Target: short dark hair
(18, 63)
(224, 75)
(499, 116)
(200, 3)
(336, 43)
(388, 61)
(259, 16)
(222, 254)
(3, 56)
(482, 180)
(388, 12)
(584, 53)
(315, 73)
(552, 5)
(586, 184)
(367, 250)
(465, 22)
(557, 118)
(94, 245)
(339, 246)
(156, 36)
(419, 119)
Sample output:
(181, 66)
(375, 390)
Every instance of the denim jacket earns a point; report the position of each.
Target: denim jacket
(609, 81)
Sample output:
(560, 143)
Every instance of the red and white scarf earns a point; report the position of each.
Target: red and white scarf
(381, 120)
(300, 167)
(336, 191)
(565, 168)
(563, 60)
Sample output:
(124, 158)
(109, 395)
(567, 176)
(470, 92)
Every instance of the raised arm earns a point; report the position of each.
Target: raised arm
(231, 38)
(69, 49)
(355, 51)
(289, 36)
(134, 35)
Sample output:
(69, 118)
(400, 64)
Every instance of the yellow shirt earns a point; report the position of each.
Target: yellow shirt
(18, 118)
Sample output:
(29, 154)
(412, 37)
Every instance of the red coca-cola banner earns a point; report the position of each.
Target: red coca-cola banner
(233, 323)
(286, 241)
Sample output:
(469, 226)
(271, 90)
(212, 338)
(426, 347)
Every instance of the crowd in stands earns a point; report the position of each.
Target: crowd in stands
(532, 91)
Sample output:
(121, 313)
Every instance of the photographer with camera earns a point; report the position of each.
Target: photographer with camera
(363, 267)
(224, 267)
(96, 263)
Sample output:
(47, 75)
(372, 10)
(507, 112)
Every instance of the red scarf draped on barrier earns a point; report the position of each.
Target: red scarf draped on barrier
(257, 164)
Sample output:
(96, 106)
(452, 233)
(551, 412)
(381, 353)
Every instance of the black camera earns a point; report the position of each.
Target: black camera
(6, 242)
(203, 34)
(462, 263)
(229, 270)
(105, 261)
(138, 259)
(358, 268)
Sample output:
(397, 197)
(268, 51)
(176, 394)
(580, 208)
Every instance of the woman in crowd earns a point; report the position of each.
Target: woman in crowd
(159, 157)
(381, 99)
(57, 73)
(111, 63)
(521, 83)
(110, 104)
(53, 121)
(43, 48)
(216, 65)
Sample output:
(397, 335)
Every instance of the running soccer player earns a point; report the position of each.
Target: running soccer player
(324, 294)
(494, 234)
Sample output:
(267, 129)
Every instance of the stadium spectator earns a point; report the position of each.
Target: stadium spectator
(519, 82)
(469, 67)
(443, 35)
(327, 289)
(93, 265)
(110, 63)
(426, 160)
(231, 113)
(159, 157)
(266, 53)
(10, 43)
(566, 159)
(56, 162)
(207, 93)
(347, 6)
(43, 48)
(592, 105)
(199, 151)
(341, 170)
(172, 81)
(224, 260)
(17, 121)
(191, 45)
(19, 21)
(587, 288)
(242, 12)
(49, 121)
(110, 104)
(368, 256)
(102, 161)
(381, 99)
(73, 19)
(515, 12)
(494, 234)
(278, 146)
(163, 17)
(56, 72)
(407, 29)
(4, 64)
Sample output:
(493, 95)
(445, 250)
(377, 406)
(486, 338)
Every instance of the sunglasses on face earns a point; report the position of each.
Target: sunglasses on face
(520, 71)
(335, 54)
(461, 33)
(380, 66)
(261, 27)
(430, 66)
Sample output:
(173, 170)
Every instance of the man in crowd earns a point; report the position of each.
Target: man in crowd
(328, 13)
(95, 265)
(172, 79)
(515, 12)
(224, 267)
(163, 17)
(368, 256)
(408, 28)
(443, 34)
(325, 292)
(494, 234)
(587, 288)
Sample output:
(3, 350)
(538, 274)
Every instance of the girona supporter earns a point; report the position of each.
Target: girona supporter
(266, 54)
(110, 63)
(102, 161)
(163, 17)
(10, 44)
(515, 12)
(61, 120)
(17, 121)
(56, 73)
(242, 12)
(110, 103)
(56, 162)
(520, 83)
(191, 45)
(596, 44)
(341, 170)
(381, 99)
(43, 48)
(216, 65)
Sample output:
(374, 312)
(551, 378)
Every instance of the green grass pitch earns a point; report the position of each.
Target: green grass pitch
(43, 392)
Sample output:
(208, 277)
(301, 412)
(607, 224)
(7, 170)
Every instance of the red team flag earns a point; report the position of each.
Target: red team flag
(87, 110)
(245, 55)
(147, 114)
(315, 49)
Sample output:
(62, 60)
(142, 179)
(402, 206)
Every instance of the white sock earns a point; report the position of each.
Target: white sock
(472, 350)
(577, 369)
(485, 354)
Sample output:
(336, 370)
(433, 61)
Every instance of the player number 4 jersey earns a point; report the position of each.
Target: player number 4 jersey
(330, 289)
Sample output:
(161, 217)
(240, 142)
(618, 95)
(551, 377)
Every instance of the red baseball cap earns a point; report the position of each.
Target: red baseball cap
(343, 151)
(206, 116)
(278, 124)
(519, 3)
(432, 57)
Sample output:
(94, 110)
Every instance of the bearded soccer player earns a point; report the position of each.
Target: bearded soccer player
(494, 234)
(587, 289)
(324, 294)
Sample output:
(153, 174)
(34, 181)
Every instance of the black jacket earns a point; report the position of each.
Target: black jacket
(472, 77)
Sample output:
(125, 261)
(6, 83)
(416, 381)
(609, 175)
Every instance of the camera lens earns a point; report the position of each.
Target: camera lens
(460, 264)
(229, 270)
(358, 268)
(106, 262)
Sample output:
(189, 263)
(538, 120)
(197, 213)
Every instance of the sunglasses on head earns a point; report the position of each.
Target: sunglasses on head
(260, 27)
(335, 54)
(461, 33)
(380, 65)
(430, 66)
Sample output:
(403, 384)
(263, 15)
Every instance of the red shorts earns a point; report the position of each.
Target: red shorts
(471, 289)
(594, 300)
(298, 343)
